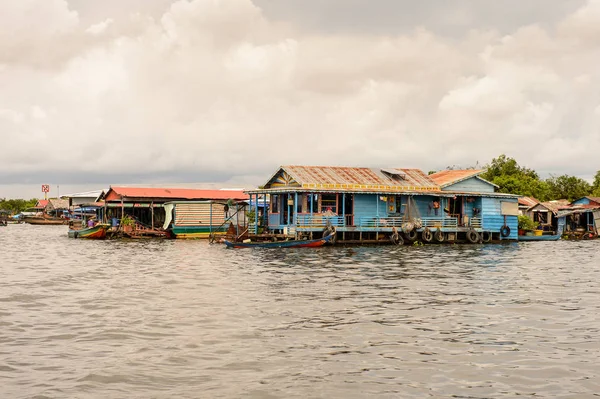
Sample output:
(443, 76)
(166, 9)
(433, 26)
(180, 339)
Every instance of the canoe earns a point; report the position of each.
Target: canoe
(319, 242)
(98, 232)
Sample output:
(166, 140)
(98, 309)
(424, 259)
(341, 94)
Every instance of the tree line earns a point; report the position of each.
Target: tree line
(15, 206)
(511, 178)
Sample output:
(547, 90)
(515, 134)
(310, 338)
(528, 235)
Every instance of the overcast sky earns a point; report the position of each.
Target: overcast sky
(165, 92)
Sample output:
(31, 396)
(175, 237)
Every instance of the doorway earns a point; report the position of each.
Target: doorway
(349, 209)
(455, 209)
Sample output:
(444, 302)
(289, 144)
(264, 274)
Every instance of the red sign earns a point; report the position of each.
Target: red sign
(45, 188)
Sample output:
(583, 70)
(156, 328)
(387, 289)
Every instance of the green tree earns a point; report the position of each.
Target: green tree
(512, 178)
(503, 166)
(523, 185)
(568, 187)
(596, 185)
(17, 205)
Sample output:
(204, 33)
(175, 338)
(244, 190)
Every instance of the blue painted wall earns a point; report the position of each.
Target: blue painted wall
(472, 185)
(582, 201)
(491, 211)
(365, 205)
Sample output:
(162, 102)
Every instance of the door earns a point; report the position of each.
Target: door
(349, 209)
(455, 209)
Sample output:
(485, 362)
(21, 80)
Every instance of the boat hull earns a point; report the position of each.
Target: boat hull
(97, 232)
(41, 220)
(540, 238)
(319, 242)
(197, 231)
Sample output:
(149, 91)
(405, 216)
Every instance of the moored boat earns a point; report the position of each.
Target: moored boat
(97, 232)
(542, 237)
(45, 220)
(319, 242)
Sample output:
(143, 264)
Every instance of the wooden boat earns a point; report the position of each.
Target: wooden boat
(319, 242)
(45, 220)
(98, 232)
(547, 237)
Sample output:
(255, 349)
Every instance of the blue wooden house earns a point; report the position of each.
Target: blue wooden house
(374, 205)
(581, 219)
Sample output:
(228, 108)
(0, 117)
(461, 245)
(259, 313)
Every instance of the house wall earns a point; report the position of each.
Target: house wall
(493, 220)
(368, 206)
(471, 185)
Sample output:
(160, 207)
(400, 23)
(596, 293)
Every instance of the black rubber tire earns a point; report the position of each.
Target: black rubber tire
(486, 236)
(505, 231)
(426, 235)
(439, 236)
(394, 238)
(472, 236)
(411, 235)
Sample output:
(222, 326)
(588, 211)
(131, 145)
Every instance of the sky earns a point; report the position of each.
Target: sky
(222, 92)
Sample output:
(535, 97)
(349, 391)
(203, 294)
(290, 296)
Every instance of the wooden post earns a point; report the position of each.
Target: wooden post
(152, 213)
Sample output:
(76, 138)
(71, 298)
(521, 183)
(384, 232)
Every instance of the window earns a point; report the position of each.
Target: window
(300, 204)
(329, 203)
(275, 203)
(314, 200)
(399, 206)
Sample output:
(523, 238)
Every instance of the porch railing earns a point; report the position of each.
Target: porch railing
(315, 221)
(307, 222)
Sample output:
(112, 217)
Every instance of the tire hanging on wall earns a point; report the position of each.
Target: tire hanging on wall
(505, 231)
(486, 236)
(426, 235)
(411, 235)
(439, 235)
(472, 236)
(397, 239)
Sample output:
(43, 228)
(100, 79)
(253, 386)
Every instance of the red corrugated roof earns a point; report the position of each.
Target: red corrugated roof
(528, 201)
(41, 204)
(447, 177)
(116, 193)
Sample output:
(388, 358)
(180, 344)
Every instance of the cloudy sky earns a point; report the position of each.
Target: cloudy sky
(166, 92)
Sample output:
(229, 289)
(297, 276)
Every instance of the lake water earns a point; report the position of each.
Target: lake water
(185, 319)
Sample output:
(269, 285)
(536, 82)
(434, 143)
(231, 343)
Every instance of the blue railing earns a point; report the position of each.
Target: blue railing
(313, 222)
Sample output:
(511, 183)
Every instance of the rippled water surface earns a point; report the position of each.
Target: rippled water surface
(185, 319)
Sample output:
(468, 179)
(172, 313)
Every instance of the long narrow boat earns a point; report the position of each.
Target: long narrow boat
(319, 242)
(98, 232)
(549, 237)
(45, 220)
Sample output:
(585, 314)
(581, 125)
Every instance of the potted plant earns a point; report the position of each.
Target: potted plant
(127, 222)
(525, 224)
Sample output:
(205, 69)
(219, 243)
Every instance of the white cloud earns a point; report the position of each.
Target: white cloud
(100, 27)
(213, 86)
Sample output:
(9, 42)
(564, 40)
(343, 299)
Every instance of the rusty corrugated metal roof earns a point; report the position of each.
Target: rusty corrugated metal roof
(116, 193)
(358, 178)
(446, 178)
(528, 201)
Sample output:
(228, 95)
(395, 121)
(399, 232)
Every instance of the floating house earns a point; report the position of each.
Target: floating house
(525, 204)
(389, 204)
(181, 211)
(545, 214)
(84, 198)
(581, 218)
